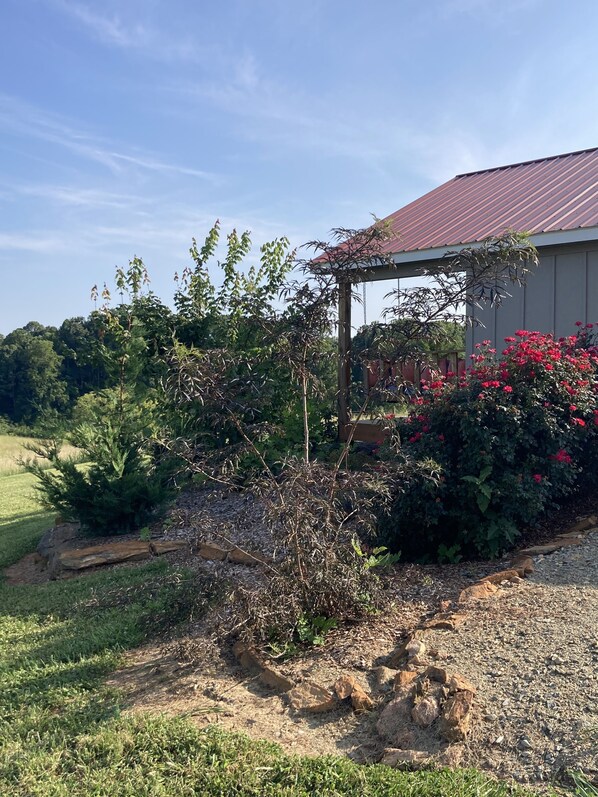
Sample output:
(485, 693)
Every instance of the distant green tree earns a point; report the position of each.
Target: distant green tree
(30, 384)
(77, 341)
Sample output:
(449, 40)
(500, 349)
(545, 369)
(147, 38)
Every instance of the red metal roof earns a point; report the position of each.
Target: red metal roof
(546, 195)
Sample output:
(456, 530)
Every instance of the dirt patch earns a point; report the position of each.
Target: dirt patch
(31, 569)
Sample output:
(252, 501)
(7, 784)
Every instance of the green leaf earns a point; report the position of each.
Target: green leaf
(470, 479)
(483, 502)
(485, 472)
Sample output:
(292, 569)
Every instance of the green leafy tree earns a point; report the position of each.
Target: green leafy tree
(30, 383)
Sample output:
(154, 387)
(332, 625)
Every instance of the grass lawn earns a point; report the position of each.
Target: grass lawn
(61, 730)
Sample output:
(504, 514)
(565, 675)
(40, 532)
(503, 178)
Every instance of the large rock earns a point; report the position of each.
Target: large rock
(360, 700)
(457, 683)
(583, 525)
(311, 697)
(344, 686)
(425, 711)
(395, 718)
(551, 547)
(107, 554)
(384, 677)
(405, 650)
(438, 674)
(55, 541)
(456, 716)
(479, 591)
(524, 565)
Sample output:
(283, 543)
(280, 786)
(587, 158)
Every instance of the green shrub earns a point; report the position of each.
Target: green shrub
(503, 442)
(122, 484)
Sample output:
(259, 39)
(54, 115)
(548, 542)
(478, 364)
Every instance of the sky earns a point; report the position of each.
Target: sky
(128, 127)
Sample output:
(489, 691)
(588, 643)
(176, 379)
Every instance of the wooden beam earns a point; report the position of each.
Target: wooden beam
(344, 357)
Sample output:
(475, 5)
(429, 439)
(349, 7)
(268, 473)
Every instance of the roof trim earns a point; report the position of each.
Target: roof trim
(539, 239)
(526, 163)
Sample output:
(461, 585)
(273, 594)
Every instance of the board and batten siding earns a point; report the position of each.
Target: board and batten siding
(562, 290)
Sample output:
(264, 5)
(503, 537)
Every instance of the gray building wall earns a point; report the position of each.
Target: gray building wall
(562, 290)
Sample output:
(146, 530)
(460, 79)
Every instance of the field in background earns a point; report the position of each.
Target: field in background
(12, 448)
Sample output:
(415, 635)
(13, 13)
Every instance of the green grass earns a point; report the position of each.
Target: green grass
(22, 521)
(61, 730)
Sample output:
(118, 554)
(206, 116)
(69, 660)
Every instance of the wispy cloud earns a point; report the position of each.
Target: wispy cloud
(114, 30)
(42, 242)
(33, 122)
(108, 29)
(78, 197)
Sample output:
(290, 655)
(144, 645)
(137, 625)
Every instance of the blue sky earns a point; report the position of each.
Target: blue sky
(128, 127)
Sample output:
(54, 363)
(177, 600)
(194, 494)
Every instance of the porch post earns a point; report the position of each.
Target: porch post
(344, 357)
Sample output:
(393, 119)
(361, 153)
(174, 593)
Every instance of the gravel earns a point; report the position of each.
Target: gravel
(533, 653)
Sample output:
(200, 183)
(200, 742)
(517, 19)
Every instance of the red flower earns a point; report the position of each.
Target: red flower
(537, 478)
(578, 421)
(507, 389)
(562, 456)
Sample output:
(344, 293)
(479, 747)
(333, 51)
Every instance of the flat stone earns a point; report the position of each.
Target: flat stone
(211, 552)
(108, 554)
(269, 677)
(311, 697)
(583, 525)
(480, 591)
(551, 547)
(242, 557)
(394, 757)
(161, 547)
(503, 575)
(425, 711)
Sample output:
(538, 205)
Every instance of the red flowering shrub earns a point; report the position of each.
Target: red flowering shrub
(510, 437)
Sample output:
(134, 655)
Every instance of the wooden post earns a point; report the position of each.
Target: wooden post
(344, 358)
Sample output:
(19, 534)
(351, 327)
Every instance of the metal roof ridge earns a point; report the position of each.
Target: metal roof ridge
(526, 163)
